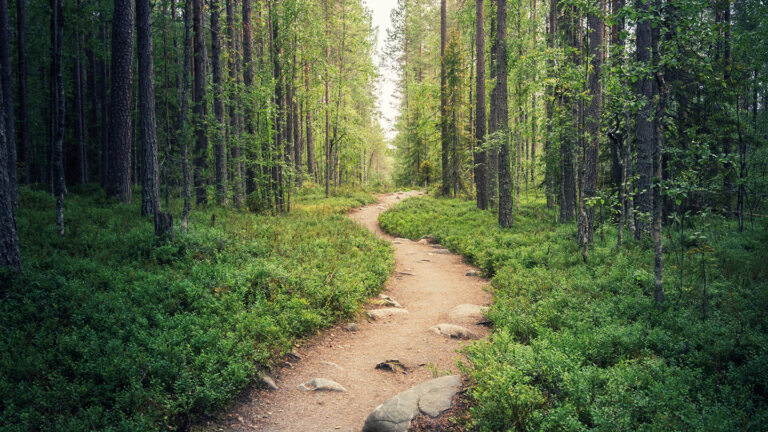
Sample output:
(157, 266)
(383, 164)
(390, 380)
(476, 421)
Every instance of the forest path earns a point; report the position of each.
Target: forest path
(428, 285)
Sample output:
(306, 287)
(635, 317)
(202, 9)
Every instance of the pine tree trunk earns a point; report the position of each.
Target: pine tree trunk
(104, 103)
(593, 113)
(500, 101)
(150, 183)
(183, 113)
(234, 121)
(21, 36)
(219, 147)
(7, 88)
(327, 104)
(444, 139)
(57, 85)
(119, 170)
(308, 110)
(199, 103)
(10, 256)
(81, 152)
(481, 167)
(646, 89)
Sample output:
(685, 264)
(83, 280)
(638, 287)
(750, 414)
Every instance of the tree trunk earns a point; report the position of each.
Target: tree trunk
(119, 182)
(219, 148)
(10, 256)
(105, 104)
(327, 105)
(150, 183)
(646, 88)
(21, 35)
(234, 132)
(493, 151)
(481, 167)
(7, 88)
(593, 112)
(502, 121)
(248, 73)
(183, 112)
(308, 111)
(81, 152)
(444, 139)
(57, 87)
(199, 103)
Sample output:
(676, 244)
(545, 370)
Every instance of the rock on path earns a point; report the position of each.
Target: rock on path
(376, 314)
(466, 313)
(321, 384)
(453, 331)
(431, 398)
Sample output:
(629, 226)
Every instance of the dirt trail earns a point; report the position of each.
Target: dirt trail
(425, 283)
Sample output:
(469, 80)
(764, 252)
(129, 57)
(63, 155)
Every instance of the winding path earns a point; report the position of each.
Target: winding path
(428, 285)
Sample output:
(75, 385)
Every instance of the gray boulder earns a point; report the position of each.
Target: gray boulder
(376, 314)
(431, 398)
(465, 313)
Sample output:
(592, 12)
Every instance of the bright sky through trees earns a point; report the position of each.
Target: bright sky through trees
(380, 10)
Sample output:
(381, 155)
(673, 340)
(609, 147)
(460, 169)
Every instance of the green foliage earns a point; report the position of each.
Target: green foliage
(582, 347)
(108, 330)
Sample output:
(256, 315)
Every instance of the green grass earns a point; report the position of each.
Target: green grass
(580, 347)
(109, 330)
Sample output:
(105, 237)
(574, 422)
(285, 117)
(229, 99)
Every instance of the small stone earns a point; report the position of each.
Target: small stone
(376, 314)
(429, 239)
(352, 327)
(393, 366)
(422, 241)
(332, 364)
(268, 382)
(466, 313)
(388, 301)
(472, 273)
(321, 384)
(294, 355)
(453, 331)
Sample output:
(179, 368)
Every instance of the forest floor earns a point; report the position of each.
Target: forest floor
(428, 285)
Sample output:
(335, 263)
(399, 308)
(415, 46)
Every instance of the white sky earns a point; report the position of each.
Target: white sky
(388, 104)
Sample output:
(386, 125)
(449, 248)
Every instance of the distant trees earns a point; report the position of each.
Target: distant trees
(638, 121)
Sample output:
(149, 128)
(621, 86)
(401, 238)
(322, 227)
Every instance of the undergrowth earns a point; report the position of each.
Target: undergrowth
(580, 347)
(109, 330)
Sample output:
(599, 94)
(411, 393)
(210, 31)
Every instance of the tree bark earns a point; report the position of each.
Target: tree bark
(10, 256)
(24, 144)
(150, 183)
(481, 167)
(219, 147)
(234, 121)
(593, 112)
(327, 104)
(308, 111)
(444, 138)
(502, 122)
(199, 103)
(646, 88)
(57, 87)
(7, 88)
(119, 182)
(81, 148)
(183, 112)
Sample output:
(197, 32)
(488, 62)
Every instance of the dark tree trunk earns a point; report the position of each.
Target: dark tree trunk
(105, 107)
(183, 111)
(93, 103)
(591, 151)
(234, 131)
(308, 111)
(219, 148)
(119, 182)
(57, 87)
(10, 122)
(248, 72)
(81, 149)
(199, 103)
(481, 167)
(150, 183)
(279, 126)
(646, 88)
(500, 101)
(493, 151)
(444, 138)
(10, 256)
(24, 145)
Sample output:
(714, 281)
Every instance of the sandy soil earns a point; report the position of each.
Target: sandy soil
(428, 285)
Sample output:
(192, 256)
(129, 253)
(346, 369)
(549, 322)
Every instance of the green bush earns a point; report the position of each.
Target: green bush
(581, 347)
(109, 330)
